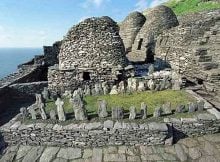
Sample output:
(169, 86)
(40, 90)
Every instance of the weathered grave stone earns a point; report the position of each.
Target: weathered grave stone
(53, 115)
(151, 69)
(192, 107)
(87, 90)
(79, 109)
(114, 90)
(200, 105)
(143, 110)
(132, 113)
(157, 112)
(167, 108)
(24, 112)
(180, 109)
(121, 87)
(151, 84)
(45, 93)
(60, 110)
(33, 113)
(117, 113)
(105, 88)
(102, 109)
(141, 86)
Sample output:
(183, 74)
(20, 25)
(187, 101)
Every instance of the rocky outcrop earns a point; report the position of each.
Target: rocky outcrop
(130, 27)
(192, 48)
(93, 43)
(157, 20)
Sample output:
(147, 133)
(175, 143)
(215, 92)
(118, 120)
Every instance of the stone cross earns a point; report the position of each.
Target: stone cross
(78, 107)
(117, 113)
(33, 113)
(132, 115)
(53, 115)
(143, 110)
(157, 112)
(102, 109)
(60, 111)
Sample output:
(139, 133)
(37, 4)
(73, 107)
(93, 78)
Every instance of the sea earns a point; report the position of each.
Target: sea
(10, 58)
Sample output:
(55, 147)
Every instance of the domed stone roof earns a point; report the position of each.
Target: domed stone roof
(93, 43)
(130, 26)
(158, 19)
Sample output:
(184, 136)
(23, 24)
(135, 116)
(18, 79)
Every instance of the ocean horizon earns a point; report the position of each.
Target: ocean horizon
(10, 58)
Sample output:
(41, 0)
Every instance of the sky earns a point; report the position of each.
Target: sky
(35, 23)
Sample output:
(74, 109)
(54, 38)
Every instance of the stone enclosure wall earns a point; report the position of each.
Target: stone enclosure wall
(192, 48)
(86, 134)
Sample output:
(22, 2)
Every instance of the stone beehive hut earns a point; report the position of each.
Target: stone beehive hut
(158, 19)
(91, 52)
(92, 43)
(130, 27)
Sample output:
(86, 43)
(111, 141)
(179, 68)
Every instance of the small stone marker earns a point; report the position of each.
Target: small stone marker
(151, 84)
(132, 115)
(167, 108)
(141, 86)
(53, 115)
(87, 90)
(33, 113)
(117, 113)
(157, 112)
(114, 90)
(143, 110)
(98, 89)
(121, 87)
(102, 109)
(105, 88)
(192, 107)
(60, 110)
(180, 109)
(23, 112)
(200, 105)
(45, 93)
(78, 107)
(151, 69)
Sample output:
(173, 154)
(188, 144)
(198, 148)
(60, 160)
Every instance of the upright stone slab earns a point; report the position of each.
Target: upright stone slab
(117, 113)
(45, 93)
(151, 69)
(79, 109)
(180, 109)
(60, 110)
(33, 113)
(143, 110)
(167, 108)
(200, 105)
(24, 112)
(151, 84)
(157, 112)
(87, 90)
(114, 90)
(102, 109)
(98, 89)
(141, 86)
(105, 88)
(53, 115)
(121, 87)
(42, 111)
(132, 115)
(192, 107)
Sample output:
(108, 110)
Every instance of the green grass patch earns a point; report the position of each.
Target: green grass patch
(182, 7)
(152, 99)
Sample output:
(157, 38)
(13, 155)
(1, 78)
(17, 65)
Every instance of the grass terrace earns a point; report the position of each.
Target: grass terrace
(152, 99)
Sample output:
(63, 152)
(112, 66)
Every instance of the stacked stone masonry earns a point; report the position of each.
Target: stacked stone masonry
(192, 48)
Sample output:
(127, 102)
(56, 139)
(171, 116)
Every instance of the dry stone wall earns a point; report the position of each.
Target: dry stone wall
(93, 43)
(157, 20)
(192, 48)
(85, 134)
(130, 27)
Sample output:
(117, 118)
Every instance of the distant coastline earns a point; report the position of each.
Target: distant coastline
(10, 58)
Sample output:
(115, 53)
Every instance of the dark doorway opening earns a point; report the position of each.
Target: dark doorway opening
(140, 44)
(199, 81)
(86, 76)
(150, 55)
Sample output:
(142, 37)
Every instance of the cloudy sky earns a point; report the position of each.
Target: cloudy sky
(34, 23)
